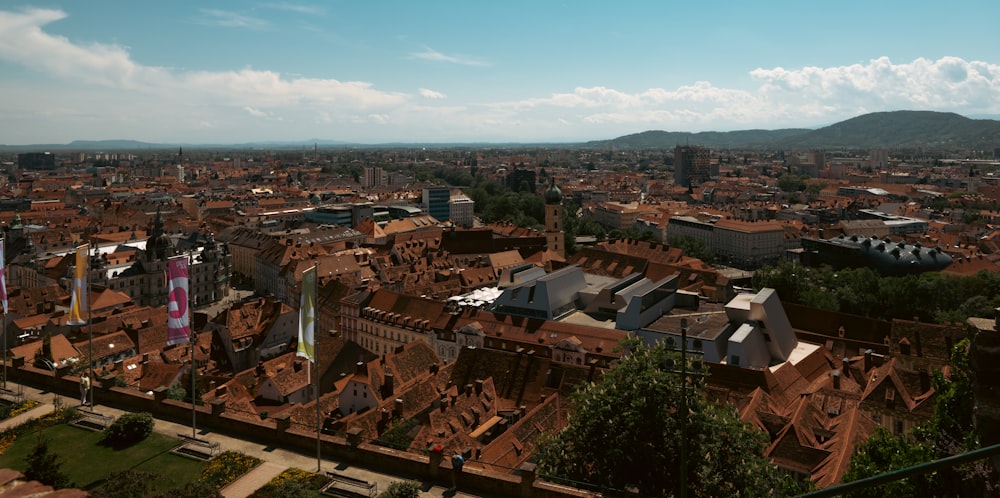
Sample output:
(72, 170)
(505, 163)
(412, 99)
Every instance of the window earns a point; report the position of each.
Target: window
(734, 360)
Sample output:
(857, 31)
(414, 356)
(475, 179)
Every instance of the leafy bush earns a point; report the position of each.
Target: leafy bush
(399, 435)
(129, 429)
(401, 489)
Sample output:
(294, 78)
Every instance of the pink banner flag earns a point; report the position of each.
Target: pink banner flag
(178, 324)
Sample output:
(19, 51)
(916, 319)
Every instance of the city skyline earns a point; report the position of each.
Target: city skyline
(457, 72)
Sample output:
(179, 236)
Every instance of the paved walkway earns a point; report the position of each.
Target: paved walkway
(277, 459)
(253, 480)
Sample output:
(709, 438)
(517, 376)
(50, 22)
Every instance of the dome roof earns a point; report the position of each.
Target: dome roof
(553, 195)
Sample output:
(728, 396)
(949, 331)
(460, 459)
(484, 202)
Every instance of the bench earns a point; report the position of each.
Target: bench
(341, 485)
(191, 447)
(92, 420)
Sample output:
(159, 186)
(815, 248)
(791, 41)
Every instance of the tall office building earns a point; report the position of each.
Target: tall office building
(374, 177)
(36, 161)
(435, 202)
(692, 165)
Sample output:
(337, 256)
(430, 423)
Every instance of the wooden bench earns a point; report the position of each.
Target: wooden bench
(341, 485)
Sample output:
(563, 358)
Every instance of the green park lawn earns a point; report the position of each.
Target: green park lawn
(87, 463)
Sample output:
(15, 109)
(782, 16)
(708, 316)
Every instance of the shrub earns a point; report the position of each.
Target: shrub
(129, 429)
(401, 489)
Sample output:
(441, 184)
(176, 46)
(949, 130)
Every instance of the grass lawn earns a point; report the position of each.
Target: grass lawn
(88, 463)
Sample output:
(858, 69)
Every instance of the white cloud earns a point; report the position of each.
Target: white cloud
(947, 84)
(254, 112)
(429, 54)
(312, 10)
(95, 90)
(230, 19)
(431, 94)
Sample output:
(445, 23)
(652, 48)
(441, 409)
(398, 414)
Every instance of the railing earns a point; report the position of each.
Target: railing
(897, 475)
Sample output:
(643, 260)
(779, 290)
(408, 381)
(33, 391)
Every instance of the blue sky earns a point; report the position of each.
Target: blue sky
(468, 71)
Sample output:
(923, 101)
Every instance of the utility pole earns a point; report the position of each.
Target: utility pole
(696, 370)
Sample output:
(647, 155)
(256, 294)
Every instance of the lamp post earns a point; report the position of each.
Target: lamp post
(696, 371)
(52, 366)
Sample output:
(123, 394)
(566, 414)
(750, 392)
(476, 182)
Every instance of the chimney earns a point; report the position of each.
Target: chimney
(360, 368)
(868, 360)
(479, 386)
(444, 403)
(468, 390)
(397, 408)
(388, 384)
(434, 368)
(836, 379)
(846, 368)
(541, 399)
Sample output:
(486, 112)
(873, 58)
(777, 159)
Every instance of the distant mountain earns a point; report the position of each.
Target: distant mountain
(710, 139)
(879, 129)
(897, 129)
(903, 129)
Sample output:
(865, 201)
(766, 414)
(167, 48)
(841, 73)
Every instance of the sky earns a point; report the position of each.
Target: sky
(381, 71)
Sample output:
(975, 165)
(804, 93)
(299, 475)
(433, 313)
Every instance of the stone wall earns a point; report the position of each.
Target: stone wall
(278, 431)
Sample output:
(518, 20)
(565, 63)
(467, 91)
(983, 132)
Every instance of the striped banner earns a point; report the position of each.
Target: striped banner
(78, 301)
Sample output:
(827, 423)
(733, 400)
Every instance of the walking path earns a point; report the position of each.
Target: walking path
(276, 459)
(253, 480)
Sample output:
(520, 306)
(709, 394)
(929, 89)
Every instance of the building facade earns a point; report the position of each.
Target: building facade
(692, 165)
(436, 202)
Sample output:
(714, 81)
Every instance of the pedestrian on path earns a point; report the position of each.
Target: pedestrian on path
(456, 469)
(84, 388)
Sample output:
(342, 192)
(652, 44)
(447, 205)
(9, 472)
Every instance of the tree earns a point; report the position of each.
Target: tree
(44, 466)
(126, 484)
(950, 431)
(695, 248)
(625, 432)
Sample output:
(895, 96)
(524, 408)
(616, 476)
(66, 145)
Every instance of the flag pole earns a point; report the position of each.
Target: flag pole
(90, 330)
(3, 269)
(194, 367)
(319, 416)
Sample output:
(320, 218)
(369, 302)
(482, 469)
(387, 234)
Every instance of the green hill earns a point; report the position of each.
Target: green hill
(897, 129)
(938, 130)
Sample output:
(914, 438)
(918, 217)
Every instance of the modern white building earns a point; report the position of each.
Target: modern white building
(461, 209)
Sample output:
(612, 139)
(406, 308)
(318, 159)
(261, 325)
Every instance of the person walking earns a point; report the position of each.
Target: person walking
(84, 388)
(457, 462)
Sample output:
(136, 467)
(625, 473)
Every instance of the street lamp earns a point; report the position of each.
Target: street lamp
(52, 366)
(682, 370)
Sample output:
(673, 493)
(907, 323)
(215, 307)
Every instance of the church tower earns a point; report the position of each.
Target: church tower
(555, 239)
